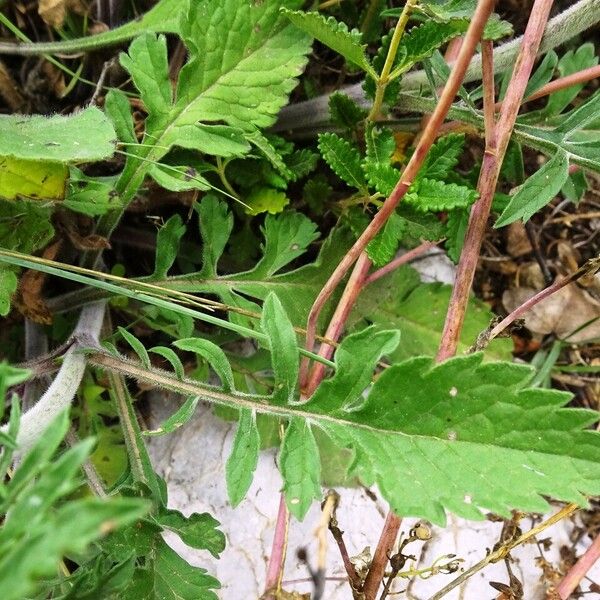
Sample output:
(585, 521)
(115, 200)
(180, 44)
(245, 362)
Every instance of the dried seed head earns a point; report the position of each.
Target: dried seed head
(422, 531)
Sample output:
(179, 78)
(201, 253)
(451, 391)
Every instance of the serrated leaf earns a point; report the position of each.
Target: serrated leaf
(284, 350)
(87, 135)
(243, 79)
(136, 346)
(180, 417)
(420, 42)
(167, 576)
(418, 310)
(178, 179)
(262, 199)
(335, 35)
(34, 179)
(300, 467)
(432, 195)
(537, 191)
(443, 157)
(270, 153)
(383, 247)
(343, 158)
(383, 177)
(380, 144)
(496, 28)
(199, 530)
(301, 162)
(243, 459)
(167, 245)
(213, 354)
(316, 193)
(147, 63)
(344, 112)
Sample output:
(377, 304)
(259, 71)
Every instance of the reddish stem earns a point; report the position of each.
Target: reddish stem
(488, 178)
(401, 260)
(277, 560)
(383, 551)
(352, 290)
(578, 571)
(484, 8)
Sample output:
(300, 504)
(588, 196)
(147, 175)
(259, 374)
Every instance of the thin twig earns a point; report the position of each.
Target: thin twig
(488, 178)
(578, 571)
(503, 551)
(484, 8)
(380, 560)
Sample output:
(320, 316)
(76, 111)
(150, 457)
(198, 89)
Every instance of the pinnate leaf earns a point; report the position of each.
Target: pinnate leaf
(442, 157)
(343, 158)
(213, 354)
(385, 244)
(334, 34)
(432, 195)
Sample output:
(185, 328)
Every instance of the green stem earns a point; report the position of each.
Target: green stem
(384, 78)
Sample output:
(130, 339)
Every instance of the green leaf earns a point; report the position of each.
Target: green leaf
(180, 417)
(284, 350)
(418, 310)
(25, 226)
(243, 459)
(543, 74)
(147, 63)
(380, 144)
(456, 228)
(167, 576)
(334, 34)
(216, 140)
(262, 199)
(211, 353)
(178, 179)
(8, 286)
(242, 79)
(575, 186)
(352, 377)
(383, 177)
(385, 244)
(537, 191)
(443, 157)
(270, 153)
(167, 245)
(344, 112)
(199, 530)
(87, 135)
(343, 158)
(169, 355)
(32, 179)
(118, 109)
(92, 196)
(431, 195)
(216, 223)
(301, 162)
(136, 346)
(420, 42)
(581, 116)
(571, 62)
(300, 467)
(496, 28)
(316, 193)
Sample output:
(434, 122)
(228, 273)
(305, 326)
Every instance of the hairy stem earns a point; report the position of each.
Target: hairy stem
(488, 178)
(62, 390)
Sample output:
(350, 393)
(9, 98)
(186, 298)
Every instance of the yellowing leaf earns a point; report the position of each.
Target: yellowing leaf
(32, 179)
(266, 200)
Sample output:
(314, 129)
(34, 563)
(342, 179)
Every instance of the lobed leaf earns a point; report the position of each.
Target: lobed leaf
(432, 195)
(343, 158)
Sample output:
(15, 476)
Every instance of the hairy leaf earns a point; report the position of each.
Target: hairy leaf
(443, 157)
(431, 195)
(380, 144)
(180, 417)
(215, 357)
(343, 158)
(385, 244)
(344, 111)
(334, 34)
(456, 228)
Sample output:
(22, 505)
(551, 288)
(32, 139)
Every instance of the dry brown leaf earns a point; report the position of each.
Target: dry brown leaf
(564, 312)
(53, 12)
(517, 242)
